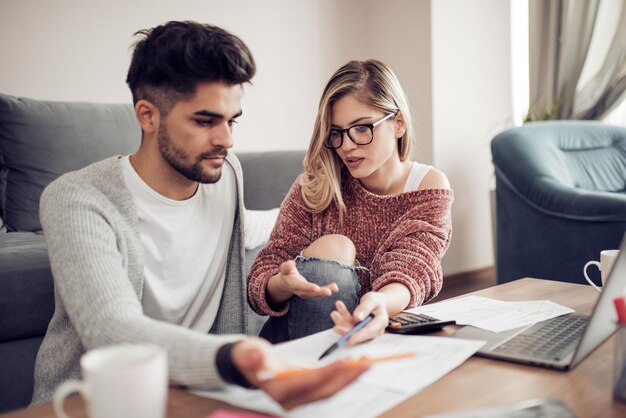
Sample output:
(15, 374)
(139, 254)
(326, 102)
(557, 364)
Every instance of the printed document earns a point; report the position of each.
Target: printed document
(491, 314)
(379, 389)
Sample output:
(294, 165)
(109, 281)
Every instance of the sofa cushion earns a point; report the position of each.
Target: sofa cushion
(40, 140)
(26, 286)
(17, 362)
(282, 167)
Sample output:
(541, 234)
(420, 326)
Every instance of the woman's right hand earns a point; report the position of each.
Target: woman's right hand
(289, 282)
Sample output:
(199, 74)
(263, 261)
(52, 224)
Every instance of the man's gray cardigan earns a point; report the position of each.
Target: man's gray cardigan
(97, 260)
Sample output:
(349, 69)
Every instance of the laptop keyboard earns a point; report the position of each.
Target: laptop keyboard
(552, 339)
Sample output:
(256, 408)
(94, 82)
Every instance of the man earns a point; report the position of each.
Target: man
(148, 247)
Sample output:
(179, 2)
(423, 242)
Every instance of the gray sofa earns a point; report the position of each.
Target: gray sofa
(40, 140)
(560, 198)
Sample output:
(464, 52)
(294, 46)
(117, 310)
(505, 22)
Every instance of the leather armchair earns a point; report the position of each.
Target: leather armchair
(560, 197)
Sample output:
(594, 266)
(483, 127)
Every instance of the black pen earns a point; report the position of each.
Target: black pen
(341, 341)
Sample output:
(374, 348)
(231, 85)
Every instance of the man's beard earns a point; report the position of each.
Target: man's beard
(175, 157)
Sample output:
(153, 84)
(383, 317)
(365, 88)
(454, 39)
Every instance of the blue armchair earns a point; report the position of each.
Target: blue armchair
(560, 197)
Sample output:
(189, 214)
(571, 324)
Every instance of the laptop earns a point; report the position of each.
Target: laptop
(559, 343)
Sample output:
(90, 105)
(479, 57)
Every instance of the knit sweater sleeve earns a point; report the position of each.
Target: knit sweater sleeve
(412, 252)
(88, 243)
(291, 234)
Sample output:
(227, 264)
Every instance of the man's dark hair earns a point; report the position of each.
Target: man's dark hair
(171, 59)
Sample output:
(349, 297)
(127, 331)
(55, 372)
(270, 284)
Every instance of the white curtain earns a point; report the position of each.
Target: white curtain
(561, 32)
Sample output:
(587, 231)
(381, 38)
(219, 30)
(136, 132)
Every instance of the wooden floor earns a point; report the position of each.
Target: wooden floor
(459, 284)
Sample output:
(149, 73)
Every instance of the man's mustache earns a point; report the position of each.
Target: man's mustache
(220, 152)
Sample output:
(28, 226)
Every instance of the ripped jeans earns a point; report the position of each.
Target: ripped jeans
(311, 315)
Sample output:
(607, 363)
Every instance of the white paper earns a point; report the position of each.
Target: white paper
(358, 400)
(493, 315)
(382, 387)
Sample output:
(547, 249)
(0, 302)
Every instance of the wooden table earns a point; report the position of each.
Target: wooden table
(476, 383)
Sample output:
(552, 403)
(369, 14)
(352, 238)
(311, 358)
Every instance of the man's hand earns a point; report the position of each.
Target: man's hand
(371, 302)
(255, 355)
(289, 282)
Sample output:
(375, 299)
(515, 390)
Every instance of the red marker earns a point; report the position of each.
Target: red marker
(620, 307)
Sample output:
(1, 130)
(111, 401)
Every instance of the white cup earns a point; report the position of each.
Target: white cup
(121, 381)
(607, 259)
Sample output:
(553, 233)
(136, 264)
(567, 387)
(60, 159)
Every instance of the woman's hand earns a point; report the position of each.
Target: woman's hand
(289, 282)
(371, 302)
(254, 356)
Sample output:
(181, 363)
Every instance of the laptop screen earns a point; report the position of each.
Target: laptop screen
(603, 321)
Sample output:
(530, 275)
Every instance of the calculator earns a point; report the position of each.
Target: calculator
(410, 323)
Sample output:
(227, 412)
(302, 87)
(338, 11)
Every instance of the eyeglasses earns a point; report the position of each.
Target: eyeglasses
(359, 134)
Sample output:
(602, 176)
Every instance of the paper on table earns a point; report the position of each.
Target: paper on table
(493, 315)
(399, 375)
(358, 400)
(379, 389)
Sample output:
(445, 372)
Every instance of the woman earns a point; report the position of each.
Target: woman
(363, 229)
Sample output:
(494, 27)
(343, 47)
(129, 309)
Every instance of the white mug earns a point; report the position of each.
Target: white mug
(121, 381)
(607, 258)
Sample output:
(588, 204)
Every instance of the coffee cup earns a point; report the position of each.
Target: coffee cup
(607, 258)
(122, 381)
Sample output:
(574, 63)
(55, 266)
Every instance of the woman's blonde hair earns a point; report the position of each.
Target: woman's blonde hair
(371, 82)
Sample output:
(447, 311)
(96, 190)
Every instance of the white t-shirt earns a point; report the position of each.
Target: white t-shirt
(417, 174)
(186, 248)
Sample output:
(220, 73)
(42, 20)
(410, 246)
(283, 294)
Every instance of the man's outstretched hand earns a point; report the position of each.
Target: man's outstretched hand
(255, 355)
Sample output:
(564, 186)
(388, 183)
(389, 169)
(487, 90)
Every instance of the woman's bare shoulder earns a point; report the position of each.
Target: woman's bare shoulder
(434, 179)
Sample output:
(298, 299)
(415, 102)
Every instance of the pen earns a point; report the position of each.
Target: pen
(341, 341)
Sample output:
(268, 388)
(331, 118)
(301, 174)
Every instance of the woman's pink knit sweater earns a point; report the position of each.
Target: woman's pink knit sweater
(399, 239)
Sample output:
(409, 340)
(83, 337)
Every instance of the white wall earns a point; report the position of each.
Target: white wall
(79, 50)
(452, 57)
(471, 90)
(399, 34)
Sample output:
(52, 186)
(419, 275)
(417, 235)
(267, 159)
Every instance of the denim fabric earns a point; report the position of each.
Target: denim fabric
(308, 316)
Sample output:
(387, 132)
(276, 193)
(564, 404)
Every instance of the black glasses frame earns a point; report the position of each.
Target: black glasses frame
(371, 127)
